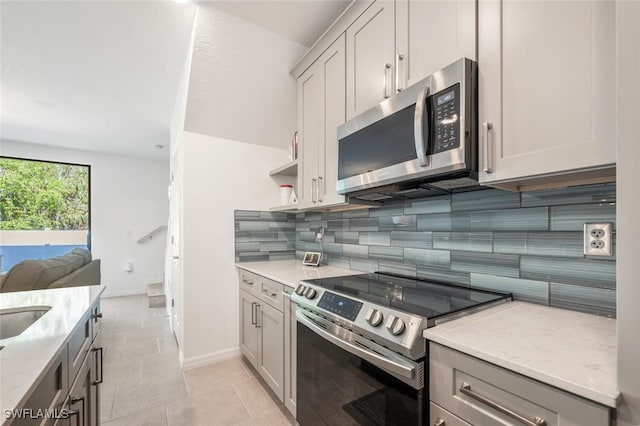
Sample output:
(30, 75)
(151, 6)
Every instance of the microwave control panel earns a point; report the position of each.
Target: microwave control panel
(445, 127)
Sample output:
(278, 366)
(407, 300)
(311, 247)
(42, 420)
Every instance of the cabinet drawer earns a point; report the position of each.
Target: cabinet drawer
(270, 292)
(438, 416)
(484, 394)
(248, 282)
(79, 345)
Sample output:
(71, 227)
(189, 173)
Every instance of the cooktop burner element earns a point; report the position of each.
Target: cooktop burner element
(391, 310)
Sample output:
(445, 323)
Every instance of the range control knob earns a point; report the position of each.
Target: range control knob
(374, 317)
(300, 289)
(395, 325)
(310, 293)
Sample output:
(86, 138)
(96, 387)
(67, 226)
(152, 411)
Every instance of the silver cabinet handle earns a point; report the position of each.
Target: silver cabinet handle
(387, 80)
(268, 293)
(318, 190)
(399, 73)
(253, 313)
(439, 422)
(465, 389)
(257, 315)
(418, 131)
(486, 127)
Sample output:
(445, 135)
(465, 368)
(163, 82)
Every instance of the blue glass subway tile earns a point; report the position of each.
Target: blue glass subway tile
(303, 226)
(525, 290)
(242, 236)
(592, 300)
(281, 226)
(443, 222)
(331, 216)
(300, 254)
(505, 265)
(311, 246)
(393, 254)
(307, 236)
(274, 246)
(288, 255)
(347, 237)
(573, 218)
(555, 244)
(300, 245)
(426, 257)
(467, 241)
(486, 199)
(253, 257)
(375, 238)
(412, 239)
(575, 195)
(352, 250)
(287, 235)
(254, 226)
(315, 225)
(531, 219)
(364, 224)
(399, 268)
(510, 242)
(274, 216)
(312, 216)
(338, 261)
(351, 214)
(428, 205)
(397, 223)
(393, 210)
(364, 265)
(332, 248)
(338, 225)
(300, 216)
(247, 247)
(443, 275)
(246, 215)
(587, 272)
(265, 236)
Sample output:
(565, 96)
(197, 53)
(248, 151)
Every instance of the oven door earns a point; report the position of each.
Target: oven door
(345, 379)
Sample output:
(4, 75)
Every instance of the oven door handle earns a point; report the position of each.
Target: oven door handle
(395, 366)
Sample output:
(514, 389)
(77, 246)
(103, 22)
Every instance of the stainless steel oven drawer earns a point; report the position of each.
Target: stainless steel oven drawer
(481, 393)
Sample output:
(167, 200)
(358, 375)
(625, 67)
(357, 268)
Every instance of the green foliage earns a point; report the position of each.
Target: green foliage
(37, 195)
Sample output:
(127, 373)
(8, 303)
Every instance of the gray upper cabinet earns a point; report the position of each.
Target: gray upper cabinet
(546, 91)
(321, 109)
(394, 44)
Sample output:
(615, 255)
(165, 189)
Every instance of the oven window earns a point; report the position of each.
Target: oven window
(335, 387)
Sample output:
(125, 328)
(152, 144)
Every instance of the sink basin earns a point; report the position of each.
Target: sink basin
(14, 321)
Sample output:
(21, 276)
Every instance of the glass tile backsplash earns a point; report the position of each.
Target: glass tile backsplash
(529, 244)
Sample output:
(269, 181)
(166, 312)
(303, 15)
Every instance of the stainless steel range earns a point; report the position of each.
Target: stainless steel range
(361, 357)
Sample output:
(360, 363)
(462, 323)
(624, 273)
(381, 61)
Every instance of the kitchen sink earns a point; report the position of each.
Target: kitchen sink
(14, 321)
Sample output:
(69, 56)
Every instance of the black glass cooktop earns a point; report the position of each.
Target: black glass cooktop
(429, 299)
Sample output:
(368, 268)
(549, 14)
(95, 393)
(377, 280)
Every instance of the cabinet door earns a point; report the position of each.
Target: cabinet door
(271, 348)
(310, 134)
(290, 342)
(370, 58)
(430, 35)
(81, 395)
(248, 330)
(333, 72)
(546, 86)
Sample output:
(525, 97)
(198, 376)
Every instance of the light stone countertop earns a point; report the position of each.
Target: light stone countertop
(291, 272)
(570, 350)
(26, 357)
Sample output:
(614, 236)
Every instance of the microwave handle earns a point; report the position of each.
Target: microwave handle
(418, 131)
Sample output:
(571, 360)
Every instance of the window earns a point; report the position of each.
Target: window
(44, 209)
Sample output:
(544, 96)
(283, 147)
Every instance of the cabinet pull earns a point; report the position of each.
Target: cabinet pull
(486, 127)
(399, 73)
(465, 389)
(253, 313)
(439, 422)
(72, 413)
(101, 369)
(318, 190)
(268, 293)
(96, 316)
(74, 401)
(314, 182)
(387, 80)
(257, 316)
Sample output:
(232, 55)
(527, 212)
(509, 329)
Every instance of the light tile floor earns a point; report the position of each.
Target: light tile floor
(144, 385)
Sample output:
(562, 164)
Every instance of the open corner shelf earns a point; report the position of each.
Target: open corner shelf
(289, 169)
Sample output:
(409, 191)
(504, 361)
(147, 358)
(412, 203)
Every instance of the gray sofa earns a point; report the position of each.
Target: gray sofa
(75, 268)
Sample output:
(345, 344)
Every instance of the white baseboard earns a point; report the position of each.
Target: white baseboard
(210, 358)
(135, 292)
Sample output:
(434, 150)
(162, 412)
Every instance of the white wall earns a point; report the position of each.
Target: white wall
(628, 206)
(128, 200)
(220, 176)
(240, 87)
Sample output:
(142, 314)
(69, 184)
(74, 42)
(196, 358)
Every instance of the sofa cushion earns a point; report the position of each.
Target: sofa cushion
(38, 274)
(85, 253)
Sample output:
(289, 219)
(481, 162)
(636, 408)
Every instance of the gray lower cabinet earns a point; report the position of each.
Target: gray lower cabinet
(262, 328)
(290, 352)
(467, 390)
(70, 387)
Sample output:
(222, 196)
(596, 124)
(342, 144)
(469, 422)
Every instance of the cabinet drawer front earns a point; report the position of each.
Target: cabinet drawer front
(270, 292)
(248, 282)
(79, 345)
(440, 417)
(484, 394)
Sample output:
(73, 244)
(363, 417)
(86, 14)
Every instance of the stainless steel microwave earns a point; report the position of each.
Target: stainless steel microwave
(423, 136)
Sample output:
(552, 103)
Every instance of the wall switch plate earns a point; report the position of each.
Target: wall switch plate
(598, 239)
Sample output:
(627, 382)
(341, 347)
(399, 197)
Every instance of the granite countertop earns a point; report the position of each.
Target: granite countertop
(26, 357)
(570, 350)
(291, 272)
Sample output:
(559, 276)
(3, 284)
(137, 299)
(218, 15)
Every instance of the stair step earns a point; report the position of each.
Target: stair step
(155, 294)
(157, 301)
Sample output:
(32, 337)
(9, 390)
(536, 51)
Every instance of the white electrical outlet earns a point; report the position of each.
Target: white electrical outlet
(597, 239)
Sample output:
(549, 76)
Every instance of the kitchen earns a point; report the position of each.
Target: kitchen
(197, 297)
